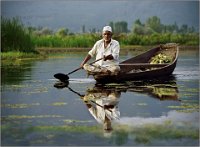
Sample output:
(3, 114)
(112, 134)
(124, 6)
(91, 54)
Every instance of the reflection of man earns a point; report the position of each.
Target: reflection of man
(103, 107)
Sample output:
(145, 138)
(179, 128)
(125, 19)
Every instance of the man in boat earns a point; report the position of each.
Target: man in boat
(107, 49)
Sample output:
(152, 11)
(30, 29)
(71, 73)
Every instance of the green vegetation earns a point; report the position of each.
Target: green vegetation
(149, 132)
(69, 41)
(152, 32)
(15, 37)
(13, 55)
(146, 134)
(155, 39)
(153, 25)
(16, 41)
(160, 58)
(88, 40)
(18, 38)
(119, 27)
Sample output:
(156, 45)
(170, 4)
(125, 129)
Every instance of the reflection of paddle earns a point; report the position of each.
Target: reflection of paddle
(101, 106)
(64, 77)
(89, 100)
(63, 85)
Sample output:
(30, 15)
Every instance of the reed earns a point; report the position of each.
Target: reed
(88, 40)
(77, 40)
(15, 37)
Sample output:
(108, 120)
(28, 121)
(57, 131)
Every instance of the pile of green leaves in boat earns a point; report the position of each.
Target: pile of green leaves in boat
(160, 58)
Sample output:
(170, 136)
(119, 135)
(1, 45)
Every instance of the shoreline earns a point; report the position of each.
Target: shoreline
(44, 52)
(49, 50)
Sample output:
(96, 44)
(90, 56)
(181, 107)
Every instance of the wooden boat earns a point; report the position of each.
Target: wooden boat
(140, 67)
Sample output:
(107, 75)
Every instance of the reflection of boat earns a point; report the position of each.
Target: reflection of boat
(139, 67)
(102, 100)
(163, 89)
(160, 91)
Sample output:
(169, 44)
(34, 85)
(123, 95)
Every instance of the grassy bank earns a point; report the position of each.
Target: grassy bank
(15, 55)
(52, 50)
(44, 51)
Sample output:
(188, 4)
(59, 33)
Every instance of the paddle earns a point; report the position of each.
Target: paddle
(64, 77)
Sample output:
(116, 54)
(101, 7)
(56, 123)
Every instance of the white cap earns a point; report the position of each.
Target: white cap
(107, 28)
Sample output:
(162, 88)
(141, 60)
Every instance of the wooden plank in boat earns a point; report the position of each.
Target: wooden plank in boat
(144, 64)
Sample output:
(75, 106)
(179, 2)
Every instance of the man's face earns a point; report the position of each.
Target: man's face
(107, 35)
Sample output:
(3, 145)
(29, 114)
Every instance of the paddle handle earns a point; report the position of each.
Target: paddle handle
(74, 71)
(96, 61)
(81, 67)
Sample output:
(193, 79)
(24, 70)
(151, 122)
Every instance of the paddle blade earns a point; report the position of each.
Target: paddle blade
(62, 77)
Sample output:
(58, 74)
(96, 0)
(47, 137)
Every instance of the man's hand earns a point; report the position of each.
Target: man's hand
(81, 65)
(109, 57)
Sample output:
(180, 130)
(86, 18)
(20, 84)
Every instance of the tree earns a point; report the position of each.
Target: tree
(83, 29)
(138, 27)
(138, 22)
(154, 23)
(46, 31)
(111, 24)
(175, 27)
(93, 30)
(62, 32)
(183, 29)
(191, 30)
(119, 27)
(170, 28)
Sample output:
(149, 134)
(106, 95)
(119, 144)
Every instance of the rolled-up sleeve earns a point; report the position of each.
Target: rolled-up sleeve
(93, 51)
(115, 50)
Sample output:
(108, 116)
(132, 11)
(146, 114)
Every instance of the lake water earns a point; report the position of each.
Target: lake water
(146, 113)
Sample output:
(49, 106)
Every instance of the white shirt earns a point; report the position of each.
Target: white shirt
(99, 50)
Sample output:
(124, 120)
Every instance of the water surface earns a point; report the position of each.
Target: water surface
(155, 112)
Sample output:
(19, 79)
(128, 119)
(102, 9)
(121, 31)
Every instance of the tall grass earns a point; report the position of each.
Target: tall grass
(77, 40)
(154, 39)
(88, 40)
(15, 37)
